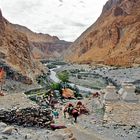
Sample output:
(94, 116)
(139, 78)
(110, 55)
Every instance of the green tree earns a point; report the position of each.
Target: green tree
(63, 76)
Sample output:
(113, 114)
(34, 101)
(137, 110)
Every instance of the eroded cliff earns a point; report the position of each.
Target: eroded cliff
(15, 53)
(44, 46)
(114, 39)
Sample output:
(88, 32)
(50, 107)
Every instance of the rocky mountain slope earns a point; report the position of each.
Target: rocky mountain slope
(114, 39)
(15, 53)
(43, 46)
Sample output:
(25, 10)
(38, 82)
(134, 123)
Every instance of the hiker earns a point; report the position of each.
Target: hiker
(95, 95)
(68, 109)
(73, 112)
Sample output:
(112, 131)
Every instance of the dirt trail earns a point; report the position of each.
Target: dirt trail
(82, 134)
(78, 131)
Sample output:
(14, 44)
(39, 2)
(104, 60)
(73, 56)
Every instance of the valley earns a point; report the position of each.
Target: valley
(87, 124)
(89, 89)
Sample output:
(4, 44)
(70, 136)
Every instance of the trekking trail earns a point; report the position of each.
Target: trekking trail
(79, 132)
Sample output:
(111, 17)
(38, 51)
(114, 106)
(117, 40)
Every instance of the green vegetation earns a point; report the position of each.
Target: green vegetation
(55, 86)
(63, 76)
(43, 81)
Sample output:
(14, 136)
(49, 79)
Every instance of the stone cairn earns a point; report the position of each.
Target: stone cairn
(127, 92)
(27, 117)
(111, 93)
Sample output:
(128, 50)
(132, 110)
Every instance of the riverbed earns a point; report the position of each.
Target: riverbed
(115, 76)
(53, 76)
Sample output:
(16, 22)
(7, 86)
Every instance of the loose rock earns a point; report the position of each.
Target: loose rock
(2, 125)
(8, 130)
(38, 117)
(28, 136)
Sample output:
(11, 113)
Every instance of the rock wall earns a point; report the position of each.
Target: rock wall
(15, 51)
(114, 39)
(27, 117)
(43, 46)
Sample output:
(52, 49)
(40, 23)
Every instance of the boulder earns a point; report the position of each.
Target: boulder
(67, 93)
(8, 130)
(28, 136)
(2, 125)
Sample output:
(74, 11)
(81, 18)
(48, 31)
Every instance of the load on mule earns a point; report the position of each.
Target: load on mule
(81, 107)
(75, 111)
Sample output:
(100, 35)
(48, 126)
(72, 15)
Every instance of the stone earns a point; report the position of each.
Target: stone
(3, 138)
(122, 90)
(118, 11)
(68, 135)
(28, 136)
(2, 125)
(8, 130)
(139, 123)
(31, 116)
(110, 94)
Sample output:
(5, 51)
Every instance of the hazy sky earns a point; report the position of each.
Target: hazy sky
(66, 19)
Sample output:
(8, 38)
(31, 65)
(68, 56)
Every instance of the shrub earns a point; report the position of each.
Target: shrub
(55, 86)
(63, 76)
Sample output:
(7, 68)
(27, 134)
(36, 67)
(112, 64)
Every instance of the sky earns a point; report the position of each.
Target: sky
(66, 19)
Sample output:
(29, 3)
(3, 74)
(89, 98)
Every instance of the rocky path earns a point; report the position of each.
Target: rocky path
(79, 131)
(89, 127)
(20, 101)
(82, 134)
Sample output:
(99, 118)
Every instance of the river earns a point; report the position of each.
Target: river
(55, 79)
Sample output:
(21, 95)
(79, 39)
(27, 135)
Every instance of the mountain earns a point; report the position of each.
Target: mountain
(15, 54)
(43, 46)
(114, 39)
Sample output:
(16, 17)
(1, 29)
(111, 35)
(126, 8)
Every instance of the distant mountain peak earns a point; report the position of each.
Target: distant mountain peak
(43, 46)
